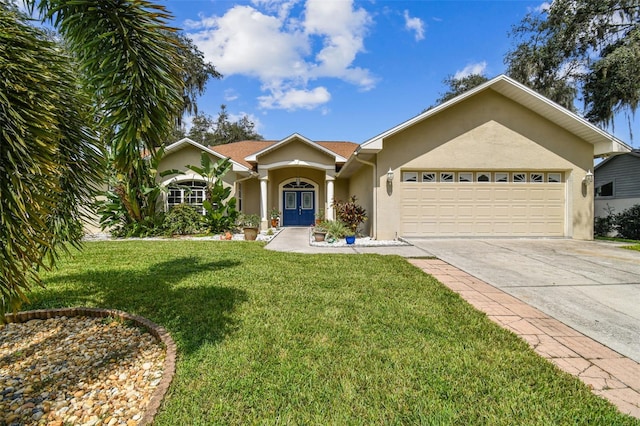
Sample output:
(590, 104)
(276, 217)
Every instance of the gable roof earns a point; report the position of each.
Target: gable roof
(245, 152)
(293, 137)
(604, 143)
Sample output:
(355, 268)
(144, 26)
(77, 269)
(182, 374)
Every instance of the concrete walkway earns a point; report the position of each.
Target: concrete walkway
(608, 373)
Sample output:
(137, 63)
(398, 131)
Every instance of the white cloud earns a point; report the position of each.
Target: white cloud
(477, 68)
(292, 99)
(267, 41)
(541, 8)
(230, 95)
(414, 24)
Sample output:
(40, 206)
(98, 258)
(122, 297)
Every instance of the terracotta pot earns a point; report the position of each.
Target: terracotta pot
(274, 223)
(250, 234)
(319, 236)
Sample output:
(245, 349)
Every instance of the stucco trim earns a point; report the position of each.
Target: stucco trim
(296, 163)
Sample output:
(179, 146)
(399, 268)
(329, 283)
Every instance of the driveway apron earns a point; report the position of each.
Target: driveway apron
(594, 287)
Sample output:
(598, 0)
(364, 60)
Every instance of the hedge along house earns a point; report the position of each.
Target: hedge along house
(497, 161)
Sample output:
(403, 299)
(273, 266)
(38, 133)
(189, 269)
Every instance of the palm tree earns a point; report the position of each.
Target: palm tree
(113, 83)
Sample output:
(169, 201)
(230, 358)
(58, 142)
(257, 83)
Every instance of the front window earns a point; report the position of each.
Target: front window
(187, 192)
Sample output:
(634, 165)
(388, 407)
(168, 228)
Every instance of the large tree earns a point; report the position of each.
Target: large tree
(206, 130)
(121, 87)
(457, 86)
(582, 46)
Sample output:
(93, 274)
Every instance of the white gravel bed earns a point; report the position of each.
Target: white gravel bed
(359, 242)
(77, 370)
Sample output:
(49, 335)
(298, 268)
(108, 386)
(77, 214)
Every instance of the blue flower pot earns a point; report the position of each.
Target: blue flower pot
(351, 239)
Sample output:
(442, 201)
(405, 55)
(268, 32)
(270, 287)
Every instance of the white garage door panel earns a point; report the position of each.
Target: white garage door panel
(483, 209)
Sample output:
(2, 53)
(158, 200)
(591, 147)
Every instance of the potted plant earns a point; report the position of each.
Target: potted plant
(274, 214)
(319, 232)
(351, 214)
(250, 224)
(319, 217)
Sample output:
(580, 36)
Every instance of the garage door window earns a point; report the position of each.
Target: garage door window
(409, 176)
(483, 177)
(446, 177)
(502, 177)
(519, 177)
(536, 177)
(428, 177)
(465, 177)
(554, 177)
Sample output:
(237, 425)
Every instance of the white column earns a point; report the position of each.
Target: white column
(329, 212)
(263, 199)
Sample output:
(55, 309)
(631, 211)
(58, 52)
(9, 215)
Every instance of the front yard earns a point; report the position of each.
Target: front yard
(278, 338)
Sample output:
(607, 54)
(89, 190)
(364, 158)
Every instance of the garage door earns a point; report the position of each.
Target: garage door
(483, 209)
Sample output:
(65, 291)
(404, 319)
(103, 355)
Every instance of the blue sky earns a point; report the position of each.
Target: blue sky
(340, 69)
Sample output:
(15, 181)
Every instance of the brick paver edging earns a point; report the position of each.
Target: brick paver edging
(606, 372)
(155, 330)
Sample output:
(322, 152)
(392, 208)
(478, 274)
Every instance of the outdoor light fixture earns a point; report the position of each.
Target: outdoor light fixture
(390, 175)
(588, 178)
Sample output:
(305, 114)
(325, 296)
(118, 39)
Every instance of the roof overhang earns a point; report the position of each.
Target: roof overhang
(604, 144)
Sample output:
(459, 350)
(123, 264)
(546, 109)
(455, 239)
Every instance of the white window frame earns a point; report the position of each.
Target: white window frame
(557, 174)
(452, 174)
(467, 176)
(524, 177)
(410, 177)
(431, 180)
(536, 177)
(478, 174)
(500, 175)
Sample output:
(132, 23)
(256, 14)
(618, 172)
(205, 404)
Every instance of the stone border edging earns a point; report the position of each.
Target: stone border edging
(160, 333)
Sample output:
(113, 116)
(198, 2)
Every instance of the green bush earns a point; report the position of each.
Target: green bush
(335, 229)
(183, 219)
(627, 223)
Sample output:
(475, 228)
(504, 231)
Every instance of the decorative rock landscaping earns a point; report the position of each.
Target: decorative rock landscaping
(85, 370)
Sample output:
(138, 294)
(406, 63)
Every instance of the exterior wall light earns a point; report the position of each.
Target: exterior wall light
(588, 178)
(390, 175)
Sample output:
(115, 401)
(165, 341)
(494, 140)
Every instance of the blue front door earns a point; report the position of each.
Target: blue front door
(299, 208)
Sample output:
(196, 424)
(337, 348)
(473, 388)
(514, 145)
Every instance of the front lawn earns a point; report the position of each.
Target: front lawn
(279, 338)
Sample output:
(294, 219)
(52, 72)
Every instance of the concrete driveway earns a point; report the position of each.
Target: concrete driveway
(594, 287)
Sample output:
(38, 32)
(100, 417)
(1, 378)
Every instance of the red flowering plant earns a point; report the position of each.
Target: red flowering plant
(350, 213)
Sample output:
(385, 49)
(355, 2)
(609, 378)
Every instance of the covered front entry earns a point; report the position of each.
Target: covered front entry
(298, 199)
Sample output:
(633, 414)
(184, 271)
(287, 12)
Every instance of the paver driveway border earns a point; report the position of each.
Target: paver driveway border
(608, 373)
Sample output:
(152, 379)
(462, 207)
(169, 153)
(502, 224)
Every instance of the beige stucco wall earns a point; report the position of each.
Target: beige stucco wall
(360, 185)
(487, 132)
(296, 150)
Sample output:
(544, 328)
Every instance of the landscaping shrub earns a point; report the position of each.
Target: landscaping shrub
(627, 223)
(335, 229)
(350, 213)
(183, 219)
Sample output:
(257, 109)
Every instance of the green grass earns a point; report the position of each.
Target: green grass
(635, 246)
(279, 338)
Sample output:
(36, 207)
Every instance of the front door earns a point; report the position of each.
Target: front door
(299, 208)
